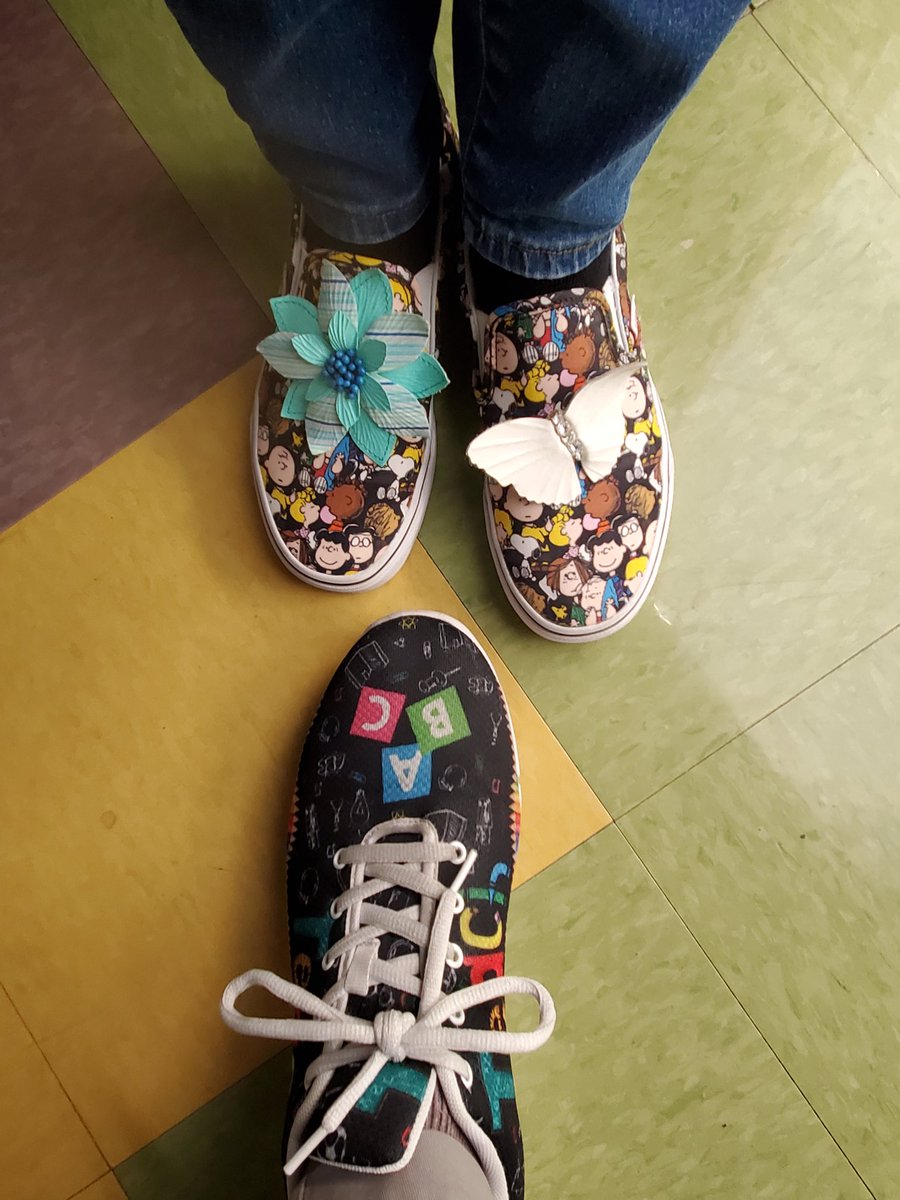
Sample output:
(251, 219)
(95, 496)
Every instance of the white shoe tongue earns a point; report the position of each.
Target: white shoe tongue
(382, 1130)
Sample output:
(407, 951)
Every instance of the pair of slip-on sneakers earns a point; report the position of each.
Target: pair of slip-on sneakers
(578, 466)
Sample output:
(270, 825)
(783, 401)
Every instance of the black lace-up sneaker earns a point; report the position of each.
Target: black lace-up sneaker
(402, 847)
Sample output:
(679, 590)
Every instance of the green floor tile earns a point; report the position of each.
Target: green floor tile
(228, 1150)
(781, 855)
(850, 55)
(766, 256)
(656, 1085)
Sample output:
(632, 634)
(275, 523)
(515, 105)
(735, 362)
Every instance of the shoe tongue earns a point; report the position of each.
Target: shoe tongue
(568, 336)
(402, 281)
(383, 1128)
(385, 1124)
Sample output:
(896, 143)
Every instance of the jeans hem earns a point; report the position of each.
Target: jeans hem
(513, 253)
(366, 226)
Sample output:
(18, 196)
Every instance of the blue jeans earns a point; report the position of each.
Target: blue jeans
(558, 103)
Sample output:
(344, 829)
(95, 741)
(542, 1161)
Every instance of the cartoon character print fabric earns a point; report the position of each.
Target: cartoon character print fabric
(584, 563)
(336, 513)
(414, 724)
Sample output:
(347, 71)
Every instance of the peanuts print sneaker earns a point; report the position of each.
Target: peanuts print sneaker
(343, 434)
(579, 468)
(401, 852)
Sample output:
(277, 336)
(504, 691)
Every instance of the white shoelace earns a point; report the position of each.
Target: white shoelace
(376, 866)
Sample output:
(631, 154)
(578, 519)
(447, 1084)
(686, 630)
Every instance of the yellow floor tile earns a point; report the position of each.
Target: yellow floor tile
(160, 671)
(107, 1188)
(45, 1151)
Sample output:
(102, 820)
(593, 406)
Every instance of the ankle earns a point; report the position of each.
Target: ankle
(494, 286)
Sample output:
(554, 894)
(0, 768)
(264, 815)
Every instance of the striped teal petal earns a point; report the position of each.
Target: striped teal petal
(312, 347)
(321, 437)
(293, 407)
(342, 332)
(423, 377)
(374, 297)
(407, 418)
(335, 295)
(372, 440)
(293, 314)
(404, 336)
(278, 351)
(372, 353)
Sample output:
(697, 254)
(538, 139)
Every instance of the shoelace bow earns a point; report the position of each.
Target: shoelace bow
(393, 1035)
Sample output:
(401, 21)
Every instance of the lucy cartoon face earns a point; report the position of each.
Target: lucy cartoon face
(607, 553)
(506, 356)
(526, 511)
(280, 465)
(331, 553)
(634, 400)
(631, 533)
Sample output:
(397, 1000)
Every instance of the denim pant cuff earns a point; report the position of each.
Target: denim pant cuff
(364, 225)
(510, 250)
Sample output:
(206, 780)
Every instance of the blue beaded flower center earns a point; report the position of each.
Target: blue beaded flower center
(346, 371)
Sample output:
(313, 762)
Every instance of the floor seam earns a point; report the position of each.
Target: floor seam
(837, 120)
(62, 1086)
(746, 1013)
(627, 812)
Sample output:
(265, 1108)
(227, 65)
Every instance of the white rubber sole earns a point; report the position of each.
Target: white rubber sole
(586, 633)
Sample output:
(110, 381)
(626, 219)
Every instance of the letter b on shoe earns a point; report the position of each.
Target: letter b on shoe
(439, 720)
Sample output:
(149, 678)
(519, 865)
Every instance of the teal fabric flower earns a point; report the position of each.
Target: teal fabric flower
(354, 364)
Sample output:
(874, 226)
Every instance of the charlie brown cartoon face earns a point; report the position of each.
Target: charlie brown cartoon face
(607, 553)
(280, 465)
(526, 511)
(631, 533)
(506, 356)
(634, 399)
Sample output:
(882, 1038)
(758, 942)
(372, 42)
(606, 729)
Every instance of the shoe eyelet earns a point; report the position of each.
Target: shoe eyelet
(459, 853)
(327, 961)
(459, 904)
(454, 957)
(457, 1019)
(333, 911)
(468, 1079)
(336, 860)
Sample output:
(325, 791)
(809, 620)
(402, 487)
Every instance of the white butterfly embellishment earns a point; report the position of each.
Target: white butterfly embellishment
(540, 456)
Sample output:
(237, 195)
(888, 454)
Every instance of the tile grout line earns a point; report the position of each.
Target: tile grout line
(757, 721)
(787, 58)
(62, 1086)
(740, 1005)
(88, 1186)
(163, 168)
